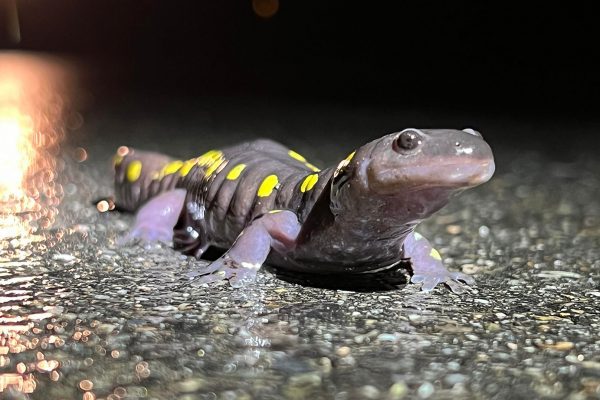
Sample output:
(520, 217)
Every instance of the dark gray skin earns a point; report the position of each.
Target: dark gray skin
(381, 196)
(355, 219)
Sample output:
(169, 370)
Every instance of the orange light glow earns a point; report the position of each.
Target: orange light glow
(265, 8)
(31, 129)
(15, 131)
(32, 108)
(15, 157)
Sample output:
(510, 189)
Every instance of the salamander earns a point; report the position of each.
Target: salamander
(261, 202)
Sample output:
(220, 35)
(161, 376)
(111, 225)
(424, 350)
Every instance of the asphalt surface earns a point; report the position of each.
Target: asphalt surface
(121, 322)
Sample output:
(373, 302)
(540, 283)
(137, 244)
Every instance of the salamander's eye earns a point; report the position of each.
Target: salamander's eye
(408, 139)
(472, 132)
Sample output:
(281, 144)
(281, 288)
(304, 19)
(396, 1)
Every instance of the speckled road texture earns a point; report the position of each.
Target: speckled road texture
(115, 321)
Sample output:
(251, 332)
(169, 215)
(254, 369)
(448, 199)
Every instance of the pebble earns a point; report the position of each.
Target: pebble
(454, 229)
(369, 392)
(484, 231)
(190, 385)
(67, 258)
(220, 329)
(559, 274)
(165, 308)
(595, 365)
(105, 329)
(347, 361)
(387, 337)
(326, 365)
(343, 351)
(425, 390)
(453, 379)
(301, 386)
(559, 346)
(397, 391)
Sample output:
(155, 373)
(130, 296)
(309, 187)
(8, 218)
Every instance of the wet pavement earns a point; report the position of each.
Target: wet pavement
(82, 318)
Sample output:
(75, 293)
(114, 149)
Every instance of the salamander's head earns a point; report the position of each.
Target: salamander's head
(418, 167)
(416, 159)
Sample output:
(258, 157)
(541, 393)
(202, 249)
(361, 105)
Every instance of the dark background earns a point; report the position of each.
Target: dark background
(514, 60)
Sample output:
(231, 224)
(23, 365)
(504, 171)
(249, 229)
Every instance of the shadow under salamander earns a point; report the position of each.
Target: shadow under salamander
(366, 282)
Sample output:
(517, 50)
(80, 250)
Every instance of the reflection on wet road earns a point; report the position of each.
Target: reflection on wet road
(32, 100)
(32, 97)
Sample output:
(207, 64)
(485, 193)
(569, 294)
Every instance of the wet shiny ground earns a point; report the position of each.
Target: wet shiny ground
(84, 318)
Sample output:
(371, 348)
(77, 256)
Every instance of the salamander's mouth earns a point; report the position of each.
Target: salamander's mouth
(442, 173)
(463, 174)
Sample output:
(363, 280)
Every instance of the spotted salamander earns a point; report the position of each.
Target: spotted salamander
(262, 202)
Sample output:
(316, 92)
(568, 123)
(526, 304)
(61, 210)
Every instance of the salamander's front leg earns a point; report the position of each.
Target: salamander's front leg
(277, 230)
(428, 268)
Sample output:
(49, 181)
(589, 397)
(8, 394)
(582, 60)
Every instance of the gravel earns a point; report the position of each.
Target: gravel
(122, 321)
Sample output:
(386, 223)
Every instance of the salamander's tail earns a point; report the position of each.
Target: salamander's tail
(140, 175)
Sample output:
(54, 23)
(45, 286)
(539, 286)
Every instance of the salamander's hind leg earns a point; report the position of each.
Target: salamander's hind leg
(189, 233)
(428, 268)
(277, 230)
(156, 219)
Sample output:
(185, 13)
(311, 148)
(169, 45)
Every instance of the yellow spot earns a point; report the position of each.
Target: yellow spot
(266, 187)
(275, 211)
(434, 253)
(187, 166)
(117, 160)
(235, 172)
(172, 167)
(296, 156)
(209, 157)
(309, 182)
(134, 170)
(301, 158)
(213, 166)
(312, 167)
(343, 164)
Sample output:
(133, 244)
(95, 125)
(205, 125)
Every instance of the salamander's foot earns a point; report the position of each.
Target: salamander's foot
(250, 250)
(431, 277)
(428, 268)
(146, 233)
(238, 274)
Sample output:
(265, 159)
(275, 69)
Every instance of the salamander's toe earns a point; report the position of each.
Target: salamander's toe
(147, 234)
(456, 281)
(459, 276)
(428, 283)
(238, 274)
(242, 277)
(455, 286)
